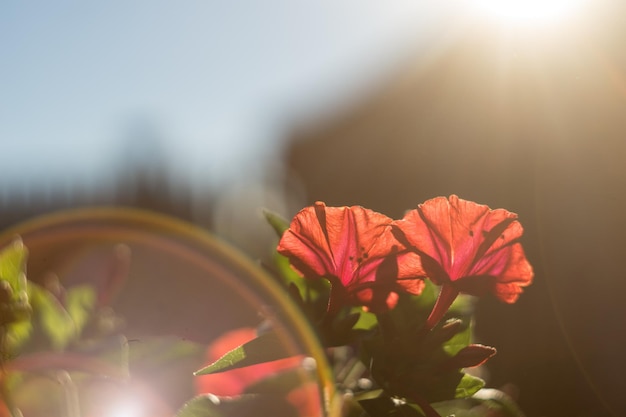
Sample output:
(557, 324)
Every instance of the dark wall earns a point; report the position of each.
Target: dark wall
(535, 124)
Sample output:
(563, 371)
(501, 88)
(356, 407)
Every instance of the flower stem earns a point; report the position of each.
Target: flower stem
(445, 299)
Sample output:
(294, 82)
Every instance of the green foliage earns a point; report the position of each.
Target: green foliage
(265, 348)
(62, 323)
(496, 400)
(388, 407)
(247, 405)
(35, 318)
(485, 403)
(202, 406)
(14, 303)
(311, 290)
(278, 223)
(13, 266)
(80, 303)
(407, 361)
(60, 320)
(367, 320)
(468, 386)
(17, 334)
(15, 308)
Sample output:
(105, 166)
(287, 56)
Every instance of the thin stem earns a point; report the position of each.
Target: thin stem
(428, 409)
(5, 395)
(70, 391)
(445, 299)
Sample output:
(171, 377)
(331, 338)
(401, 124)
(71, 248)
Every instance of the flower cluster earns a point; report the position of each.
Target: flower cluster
(387, 293)
(368, 258)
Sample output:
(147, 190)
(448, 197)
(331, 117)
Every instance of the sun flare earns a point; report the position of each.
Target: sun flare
(528, 11)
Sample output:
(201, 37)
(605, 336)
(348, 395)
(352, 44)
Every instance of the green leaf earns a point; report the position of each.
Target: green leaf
(379, 406)
(278, 223)
(17, 334)
(56, 322)
(313, 293)
(459, 408)
(468, 386)
(385, 406)
(493, 398)
(63, 324)
(265, 348)
(463, 306)
(247, 405)
(426, 300)
(202, 406)
(13, 265)
(460, 340)
(288, 274)
(367, 320)
(410, 313)
(485, 402)
(14, 303)
(80, 302)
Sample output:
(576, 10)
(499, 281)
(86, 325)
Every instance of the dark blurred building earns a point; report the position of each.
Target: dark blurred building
(532, 122)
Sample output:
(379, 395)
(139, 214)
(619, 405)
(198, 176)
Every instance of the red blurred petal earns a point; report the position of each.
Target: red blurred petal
(306, 399)
(234, 382)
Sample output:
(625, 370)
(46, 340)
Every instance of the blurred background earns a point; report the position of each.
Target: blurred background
(210, 110)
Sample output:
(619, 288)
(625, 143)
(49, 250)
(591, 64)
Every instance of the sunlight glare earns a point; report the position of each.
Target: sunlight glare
(528, 11)
(126, 409)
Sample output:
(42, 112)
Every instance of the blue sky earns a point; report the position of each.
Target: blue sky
(220, 81)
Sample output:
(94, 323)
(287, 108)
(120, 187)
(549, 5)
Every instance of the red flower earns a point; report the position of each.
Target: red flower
(466, 247)
(353, 248)
(234, 382)
(305, 397)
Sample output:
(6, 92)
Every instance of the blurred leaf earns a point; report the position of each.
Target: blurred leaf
(288, 274)
(472, 355)
(80, 302)
(282, 382)
(56, 322)
(385, 406)
(14, 303)
(460, 340)
(379, 406)
(278, 223)
(485, 403)
(312, 294)
(13, 265)
(468, 386)
(159, 351)
(463, 306)
(493, 398)
(202, 406)
(63, 324)
(367, 320)
(345, 324)
(426, 300)
(17, 335)
(247, 405)
(459, 408)
(411, 311)
(265, 348)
